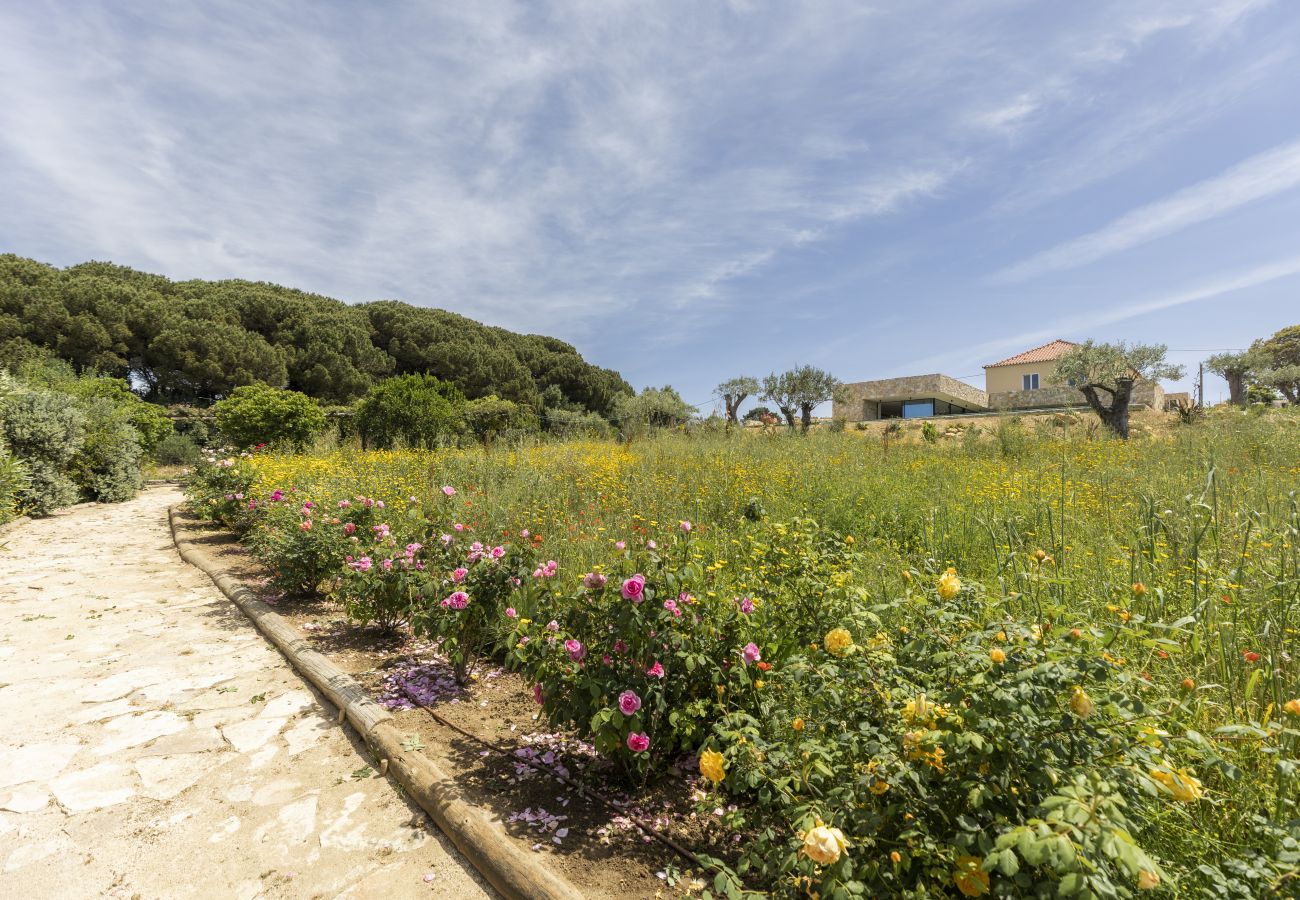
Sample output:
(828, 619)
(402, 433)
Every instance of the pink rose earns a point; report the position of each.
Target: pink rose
(619, 545)
(651, 545)
(593, 581)
(750, 653)
(628, 702)
(655, 671)
(685, 527)
(537, 694)
(458, 600)
(638, 743)
(634, 588)
(448, 491)
(458, 575)
(510, 613)
(575, 649)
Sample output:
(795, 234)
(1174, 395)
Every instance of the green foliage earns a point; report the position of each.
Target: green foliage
(734, 391)
(414, 410)
(1283, 370)
(106, 468)
(13, 484)
(176, 450)
(799, 391)
(257, 414)
(46, 432)
(568, 423)
(1239, 370)
(1111, 369)
(652, 408)
(196, 341)
(489, 417)
(929, 433)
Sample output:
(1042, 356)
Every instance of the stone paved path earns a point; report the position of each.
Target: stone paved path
(152, 744)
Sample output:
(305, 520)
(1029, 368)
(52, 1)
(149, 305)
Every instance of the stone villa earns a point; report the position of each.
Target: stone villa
(1020, 382)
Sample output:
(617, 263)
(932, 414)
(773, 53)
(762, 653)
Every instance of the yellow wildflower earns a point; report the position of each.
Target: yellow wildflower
(970, 879)
(1139, 589)
(1080, 703)
(838, 641)
(824, 844)
(712, 766)
(1292, 706)
(1181, 784)
(797, 724)
(949, 584)
(997, 655)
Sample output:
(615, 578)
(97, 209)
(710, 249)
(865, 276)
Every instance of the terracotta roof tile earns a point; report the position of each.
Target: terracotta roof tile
(1045, 353)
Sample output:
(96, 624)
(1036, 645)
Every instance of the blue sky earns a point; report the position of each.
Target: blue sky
(687, 191)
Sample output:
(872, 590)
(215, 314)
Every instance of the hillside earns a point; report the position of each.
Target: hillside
(194, 341)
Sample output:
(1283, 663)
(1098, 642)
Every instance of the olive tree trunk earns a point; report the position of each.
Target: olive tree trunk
(1115, 415)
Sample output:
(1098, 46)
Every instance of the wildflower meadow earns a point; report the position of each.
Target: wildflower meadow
(1041, 663)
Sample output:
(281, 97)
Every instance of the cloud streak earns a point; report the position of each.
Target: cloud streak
(1264, 175)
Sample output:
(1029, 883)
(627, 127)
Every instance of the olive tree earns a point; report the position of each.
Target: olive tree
(1239, 370)
(733, 392)
(800, 391)
(1283, 370)
(1111, 369)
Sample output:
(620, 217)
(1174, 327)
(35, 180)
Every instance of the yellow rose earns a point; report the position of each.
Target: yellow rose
(970, 879)
(949, 584)
(895, 857)
(997, 655)
(1080, 703)
(1292, 706)
(712, 766)
(838, 641)
(1148, 880)
(824, 844)
(1181, 784)
(797, 724)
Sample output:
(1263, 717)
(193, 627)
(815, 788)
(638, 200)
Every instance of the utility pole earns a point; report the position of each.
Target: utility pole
(1200, 386)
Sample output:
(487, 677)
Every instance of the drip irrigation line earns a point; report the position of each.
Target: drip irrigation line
(582, 789)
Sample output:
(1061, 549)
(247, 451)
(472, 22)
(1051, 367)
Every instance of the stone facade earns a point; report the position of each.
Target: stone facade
(861, 400)
(1145, 393)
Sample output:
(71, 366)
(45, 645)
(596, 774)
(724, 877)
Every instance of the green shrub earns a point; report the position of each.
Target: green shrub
(176, 450)
(106, 468)
(490, 417)
(257, 414)
(568, 423)
(44, 430)
(1013, 440)
(304, 545)
(929, 433)
(13, 483)
(414, 410)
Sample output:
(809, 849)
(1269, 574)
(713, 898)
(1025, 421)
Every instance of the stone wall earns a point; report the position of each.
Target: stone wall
(910, 387)
(1145, 393)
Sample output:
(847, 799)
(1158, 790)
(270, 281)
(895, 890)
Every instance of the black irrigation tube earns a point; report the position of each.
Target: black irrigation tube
(582, 789)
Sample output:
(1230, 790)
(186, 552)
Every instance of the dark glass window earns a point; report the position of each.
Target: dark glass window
(918, 409)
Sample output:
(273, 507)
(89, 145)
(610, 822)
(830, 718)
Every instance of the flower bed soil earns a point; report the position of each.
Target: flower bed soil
(598, 849)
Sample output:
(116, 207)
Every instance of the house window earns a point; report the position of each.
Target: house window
(1029, 382)
(918, 409)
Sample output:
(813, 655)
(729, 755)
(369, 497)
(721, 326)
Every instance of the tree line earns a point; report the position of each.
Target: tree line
(194, 342)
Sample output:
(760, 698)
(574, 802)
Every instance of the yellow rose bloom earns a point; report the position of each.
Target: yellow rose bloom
(712, 766)
(1080, 703)
(824, 844)
(997, 655)
(970, 879)
(1292, 706)
(797, 724)
(949, 584)
(1181, 784)
(838, 641)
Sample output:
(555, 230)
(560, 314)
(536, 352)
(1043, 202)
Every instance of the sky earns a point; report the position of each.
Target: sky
(687, 191)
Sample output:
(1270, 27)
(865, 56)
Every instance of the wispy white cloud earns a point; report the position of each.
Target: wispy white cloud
(1264, 175)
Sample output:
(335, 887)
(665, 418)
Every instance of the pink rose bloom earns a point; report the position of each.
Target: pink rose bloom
(458, 600)
(510, 613)
(458, 527)
(498, 552)
(593, 581)
(619, 646)
(277, 495)
(685, 527)
(607, 659)
(344, 504)
(448, 491)
(252, 504)
(750, 653)
(575, 649)
(363, 564)
(619, 545)
(524, 533)
(459, 575)
(634, 588)
(446, 538)
(349, 528)
(388, 565)
(651, 545)
(638, 743)
(305, 525)
(628, 702)
(552, 625)
(379, 504)
(655, 671)
(537, 694)
(746, 605)
(671, 605)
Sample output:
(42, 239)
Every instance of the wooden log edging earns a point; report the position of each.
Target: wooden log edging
(516, 874)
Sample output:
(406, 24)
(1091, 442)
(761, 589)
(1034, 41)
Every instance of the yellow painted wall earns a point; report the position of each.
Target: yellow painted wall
(1010, 378)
